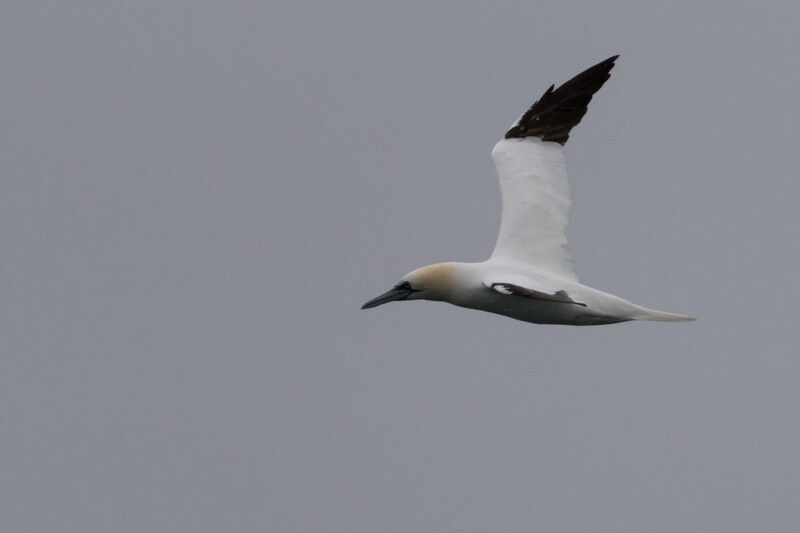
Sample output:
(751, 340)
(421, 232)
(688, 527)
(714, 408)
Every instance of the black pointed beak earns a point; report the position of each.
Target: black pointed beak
(386, 297)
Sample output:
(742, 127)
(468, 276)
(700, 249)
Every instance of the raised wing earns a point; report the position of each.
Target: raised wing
(533, 175)
(535, 191)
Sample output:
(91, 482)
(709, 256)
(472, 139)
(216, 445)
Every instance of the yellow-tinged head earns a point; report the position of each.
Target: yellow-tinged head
(432, 282)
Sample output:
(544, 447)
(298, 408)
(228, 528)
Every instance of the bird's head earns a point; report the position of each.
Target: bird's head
(430, 282)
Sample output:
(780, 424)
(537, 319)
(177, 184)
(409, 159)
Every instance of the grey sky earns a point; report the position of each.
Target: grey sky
(197, 198)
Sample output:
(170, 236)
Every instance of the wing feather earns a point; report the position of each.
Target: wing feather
(536, 202)
(557, 111)
(533, 176)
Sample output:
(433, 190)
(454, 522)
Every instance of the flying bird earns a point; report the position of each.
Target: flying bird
(529, 275)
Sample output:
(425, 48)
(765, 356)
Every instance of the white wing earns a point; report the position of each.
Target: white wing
(533, 176)
(536, 201)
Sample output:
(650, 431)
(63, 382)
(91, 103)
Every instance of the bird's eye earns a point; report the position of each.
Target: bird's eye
(405, 286)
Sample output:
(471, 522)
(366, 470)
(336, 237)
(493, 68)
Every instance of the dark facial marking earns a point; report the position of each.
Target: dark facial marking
(406, 286)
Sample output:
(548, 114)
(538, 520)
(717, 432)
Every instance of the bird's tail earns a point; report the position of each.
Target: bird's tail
(652, 314)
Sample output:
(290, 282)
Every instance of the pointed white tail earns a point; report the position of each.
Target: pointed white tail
(651, 314)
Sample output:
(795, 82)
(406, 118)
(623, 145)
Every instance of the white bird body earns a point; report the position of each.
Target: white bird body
(529, 275)
(480, 286)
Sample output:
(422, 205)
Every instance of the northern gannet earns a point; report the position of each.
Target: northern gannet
(529, 275)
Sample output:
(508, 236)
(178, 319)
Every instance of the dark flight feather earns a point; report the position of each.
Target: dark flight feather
(558, 111)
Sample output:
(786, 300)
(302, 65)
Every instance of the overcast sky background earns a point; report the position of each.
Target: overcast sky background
(197, 197)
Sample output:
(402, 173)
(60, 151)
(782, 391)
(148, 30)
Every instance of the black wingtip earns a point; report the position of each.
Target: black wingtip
(557, 111)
